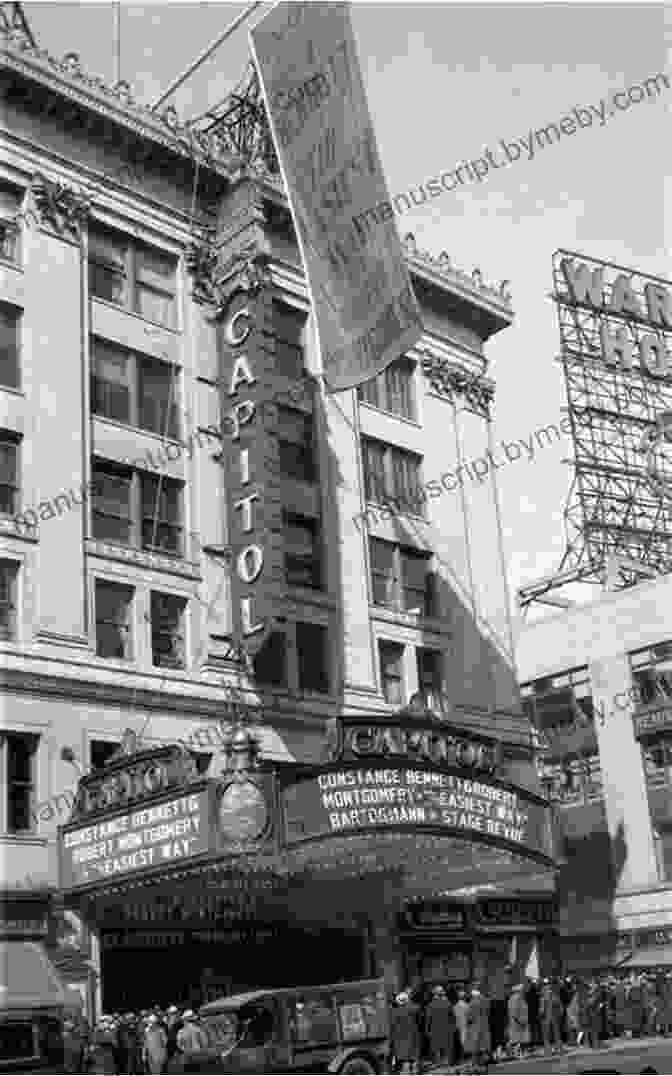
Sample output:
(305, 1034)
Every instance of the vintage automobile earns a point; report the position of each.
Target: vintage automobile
(31, 1010)
(341, 1028)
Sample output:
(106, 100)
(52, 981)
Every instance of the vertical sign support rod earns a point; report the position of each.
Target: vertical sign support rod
(116, 37)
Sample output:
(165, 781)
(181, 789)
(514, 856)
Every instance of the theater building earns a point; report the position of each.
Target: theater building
(172, 468)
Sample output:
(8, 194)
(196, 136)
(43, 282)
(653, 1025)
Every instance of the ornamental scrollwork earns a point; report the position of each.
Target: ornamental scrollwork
(450, 382)
(58, 208)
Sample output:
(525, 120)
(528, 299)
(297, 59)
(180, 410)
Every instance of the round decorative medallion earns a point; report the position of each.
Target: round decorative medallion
(243, 812)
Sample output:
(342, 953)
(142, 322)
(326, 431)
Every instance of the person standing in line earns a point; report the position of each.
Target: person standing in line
(154, 1047)
(550, 1011)
(477, 1042)
(619, 1004)
(441, 1028)
(405, 1033)
(519, 1021)
(460, 1009)
(191, 1039)
(573, 1016)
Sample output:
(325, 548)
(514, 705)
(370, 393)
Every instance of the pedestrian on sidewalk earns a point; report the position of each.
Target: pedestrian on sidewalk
(405, 1033)
(460, 1009)
(155, 1050)
(519, 1021)
(550, 1012)
(477, 1039)
(441, 1028)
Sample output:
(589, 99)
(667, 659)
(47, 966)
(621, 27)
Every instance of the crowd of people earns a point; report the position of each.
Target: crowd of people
(448, 1025)
(152, 1041)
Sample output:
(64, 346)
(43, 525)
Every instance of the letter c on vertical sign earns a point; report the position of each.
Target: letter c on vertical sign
(236, 334)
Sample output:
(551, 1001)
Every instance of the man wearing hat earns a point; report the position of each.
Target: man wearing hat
(441, 1027)
(405, 1032)
(191, 1039)
(154, 1047)
(174, 1024)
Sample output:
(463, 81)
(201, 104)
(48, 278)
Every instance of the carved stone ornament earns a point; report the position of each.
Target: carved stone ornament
(449, 382)
(201, 261)
(58, 208)
(245, 270)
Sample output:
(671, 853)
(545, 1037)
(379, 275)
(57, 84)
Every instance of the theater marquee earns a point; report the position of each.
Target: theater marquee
(356, 798)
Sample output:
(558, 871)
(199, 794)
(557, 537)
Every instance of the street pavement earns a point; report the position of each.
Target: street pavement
(622, 1056)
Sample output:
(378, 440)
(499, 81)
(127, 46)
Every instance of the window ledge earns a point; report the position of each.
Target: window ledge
(29, 837)
(134, 314)
(141, 559)
(435, 625)
(9, 528)
(394, 511)
(126, 427)
(310, 596)
(391, 414)
(13, 390)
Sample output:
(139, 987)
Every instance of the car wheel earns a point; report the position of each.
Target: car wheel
(357, 1064)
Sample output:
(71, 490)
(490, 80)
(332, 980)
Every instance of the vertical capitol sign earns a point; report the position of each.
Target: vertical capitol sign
(250, 457)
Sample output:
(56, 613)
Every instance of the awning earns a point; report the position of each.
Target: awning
(654, 956)
(27, 977)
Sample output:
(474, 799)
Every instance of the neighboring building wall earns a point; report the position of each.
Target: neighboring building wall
(600, 639)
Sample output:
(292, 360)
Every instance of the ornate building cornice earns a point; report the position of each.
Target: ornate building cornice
(58, 208)
(449, 381)
(67, 79)
(442, 264)
(215, 283)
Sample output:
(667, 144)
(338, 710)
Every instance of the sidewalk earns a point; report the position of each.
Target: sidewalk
(611, 1047)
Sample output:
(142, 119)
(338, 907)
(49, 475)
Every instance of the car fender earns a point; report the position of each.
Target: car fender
(353, 1051)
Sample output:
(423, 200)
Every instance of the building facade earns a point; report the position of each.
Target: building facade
(596, 683)
(158, 357)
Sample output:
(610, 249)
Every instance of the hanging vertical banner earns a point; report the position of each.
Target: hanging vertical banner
(366, 312)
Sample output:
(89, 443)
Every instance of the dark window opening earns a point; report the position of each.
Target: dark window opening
(311, 648)
(114, 604)
(167, 616)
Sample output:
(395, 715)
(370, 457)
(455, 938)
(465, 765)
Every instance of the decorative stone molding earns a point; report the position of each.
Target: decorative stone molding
(443, 265)
(448, 381)
(57, 208)
(201, 261)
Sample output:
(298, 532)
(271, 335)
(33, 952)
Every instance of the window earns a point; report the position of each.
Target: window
(9, 483)
(302, 551)
(392, 475)
(10, 204)
(288, 328)
(375, 485)
(392, 390)
(9, 570)
(19, 756)
(296, 444)
(270, 661)
(313, 1020)
(658, 761)
(652, 675)
(401, 579)
(114, 635)
(10, 320)
(100, 752)
(311, 648)
(391, 672)
(138, 509)
(161, 514)
(134, 389)
(168, 616)
(430, 673)
(132, 275)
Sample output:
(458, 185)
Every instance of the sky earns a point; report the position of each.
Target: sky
(445, 81)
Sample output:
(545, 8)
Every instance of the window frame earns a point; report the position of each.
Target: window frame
(396, 585)
(12, 566)
(399, 494)
(10, 229)
(308, 523)
(7, 783)
(282, 312)
(438, 684)
(181, 602)
(15, 315)
(136, 477)
(135, 362)
(305, 447)
(379, 391)
(10, 439)
(304, 662)
(128, 625)
(130, 250)
(399, 649)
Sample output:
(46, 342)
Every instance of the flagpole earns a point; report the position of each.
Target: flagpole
(116, 38)
(206, 53)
